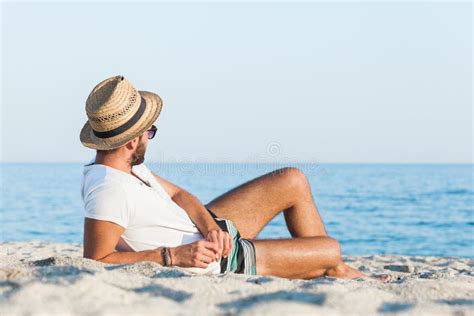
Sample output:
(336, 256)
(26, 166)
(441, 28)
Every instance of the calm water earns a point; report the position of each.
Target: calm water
(370, 208)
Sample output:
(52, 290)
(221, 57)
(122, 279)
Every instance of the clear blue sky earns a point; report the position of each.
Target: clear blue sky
(322, 82)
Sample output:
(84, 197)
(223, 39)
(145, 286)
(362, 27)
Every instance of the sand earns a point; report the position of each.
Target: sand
(43, 278)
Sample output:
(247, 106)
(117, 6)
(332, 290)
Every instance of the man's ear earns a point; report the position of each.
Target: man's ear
(132, 144)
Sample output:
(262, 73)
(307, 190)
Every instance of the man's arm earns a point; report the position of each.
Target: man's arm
(199, 215)
(101, 237)
(191, 204)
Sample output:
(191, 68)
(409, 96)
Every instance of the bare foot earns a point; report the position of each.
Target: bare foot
(343, 271)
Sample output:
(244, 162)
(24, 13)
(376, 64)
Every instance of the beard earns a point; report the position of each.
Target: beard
(138, 156)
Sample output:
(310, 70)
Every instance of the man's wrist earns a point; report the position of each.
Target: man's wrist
(172, 254)
(157, 255)
(165, 255)
(210, 228)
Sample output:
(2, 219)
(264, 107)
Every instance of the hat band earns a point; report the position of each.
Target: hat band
(122, 128)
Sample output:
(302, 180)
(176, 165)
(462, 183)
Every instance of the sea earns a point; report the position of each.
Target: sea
(404, 209)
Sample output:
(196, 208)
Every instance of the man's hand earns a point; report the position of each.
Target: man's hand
(197, 254)
(223, 240)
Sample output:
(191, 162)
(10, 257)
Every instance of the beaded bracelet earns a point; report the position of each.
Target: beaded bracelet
(166, 256)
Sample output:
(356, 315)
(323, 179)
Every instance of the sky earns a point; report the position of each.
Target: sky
(328, 82)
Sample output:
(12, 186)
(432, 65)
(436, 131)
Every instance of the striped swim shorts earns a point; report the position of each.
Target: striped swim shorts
(242, 258)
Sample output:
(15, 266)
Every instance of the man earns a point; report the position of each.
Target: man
(132, 214)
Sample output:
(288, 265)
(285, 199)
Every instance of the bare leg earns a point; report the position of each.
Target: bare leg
(253, 204)
(302, 258)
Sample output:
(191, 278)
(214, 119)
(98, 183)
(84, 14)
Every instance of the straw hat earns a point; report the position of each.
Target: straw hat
(118, 113)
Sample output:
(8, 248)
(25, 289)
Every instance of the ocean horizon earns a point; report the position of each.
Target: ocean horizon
(416, 209)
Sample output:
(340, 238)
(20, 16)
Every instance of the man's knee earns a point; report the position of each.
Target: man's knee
(334, 249)
(294, 177)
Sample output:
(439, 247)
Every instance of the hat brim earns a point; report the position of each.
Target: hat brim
(152, 111)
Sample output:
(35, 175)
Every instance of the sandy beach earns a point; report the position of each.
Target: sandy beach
(42, 278)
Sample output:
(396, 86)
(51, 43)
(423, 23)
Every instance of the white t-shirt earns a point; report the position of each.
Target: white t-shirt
(150, 217)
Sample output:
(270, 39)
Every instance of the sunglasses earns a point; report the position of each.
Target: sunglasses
(151, 132)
